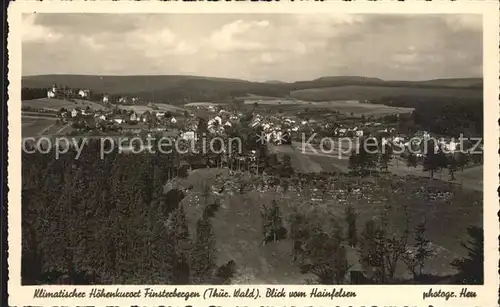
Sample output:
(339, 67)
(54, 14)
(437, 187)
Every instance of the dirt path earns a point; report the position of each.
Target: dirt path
(46, 129)
(63, 128)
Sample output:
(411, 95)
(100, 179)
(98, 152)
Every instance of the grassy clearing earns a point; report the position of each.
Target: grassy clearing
(34, 127)
(358, 109)
(201, 104)
(355, 92)
(237, 225)
(168, 107)
(57, 104)
(364, 108)
(275, 101)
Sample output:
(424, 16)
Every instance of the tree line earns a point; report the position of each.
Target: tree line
(440, 115)
(372, 156)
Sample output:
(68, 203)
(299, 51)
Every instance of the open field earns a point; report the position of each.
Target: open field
(33, 127)
(201, 104)
(275, 101)
(168, 107)
(356, 92)
(363, 108)
(162, 107)
(259, 97)
(344, 107)
(301, 163)
(237, 225)
(57, 104)
(41, 115)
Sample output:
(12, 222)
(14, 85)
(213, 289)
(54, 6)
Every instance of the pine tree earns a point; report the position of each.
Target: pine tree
(179, 247)
(351, 217)
(442, 161)
(431, 160)
(179, 224)
(354, 162)
(204, 253)
(452, 167)
(371, 254)
(385, 158)
(273, 228)
(422, 245)
(297, 233)
(341, 265)
(278, 231)
(471, 268)
(462, 159)
(411, 160)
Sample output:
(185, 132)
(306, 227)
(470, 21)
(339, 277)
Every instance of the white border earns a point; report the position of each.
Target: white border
(410, 295)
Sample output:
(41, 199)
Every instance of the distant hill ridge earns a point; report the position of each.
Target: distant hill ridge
(179, 89)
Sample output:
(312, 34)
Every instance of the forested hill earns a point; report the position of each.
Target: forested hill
(180, 89)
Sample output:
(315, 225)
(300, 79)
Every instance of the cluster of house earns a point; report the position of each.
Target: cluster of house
(222, 121)
(119, 119)
(67, 93)
(362, 129)
(121, 100)
(276, 129)
(64, 92)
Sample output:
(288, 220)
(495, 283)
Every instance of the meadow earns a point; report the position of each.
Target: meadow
(32, 127)
(275, 101)
(57, 104)
(201, 104)
(359, 108)
(345, 107)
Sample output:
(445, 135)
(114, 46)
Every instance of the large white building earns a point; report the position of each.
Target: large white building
(84, 94)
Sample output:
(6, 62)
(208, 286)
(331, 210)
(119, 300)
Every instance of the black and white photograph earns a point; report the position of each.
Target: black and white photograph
(253, 149)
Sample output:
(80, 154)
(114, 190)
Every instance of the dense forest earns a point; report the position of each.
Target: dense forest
(442, 116)
(33, 93)
(110, 221)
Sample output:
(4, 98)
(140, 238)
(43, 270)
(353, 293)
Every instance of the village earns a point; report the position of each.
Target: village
(121, 117)
(299, 134)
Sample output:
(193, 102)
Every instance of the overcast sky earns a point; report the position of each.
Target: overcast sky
(254, 47)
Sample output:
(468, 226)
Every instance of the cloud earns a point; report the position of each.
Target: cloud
(238, 36)
(37, 33)
(158, 42)
(472, 22)
(284, 47)
(91, 43)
